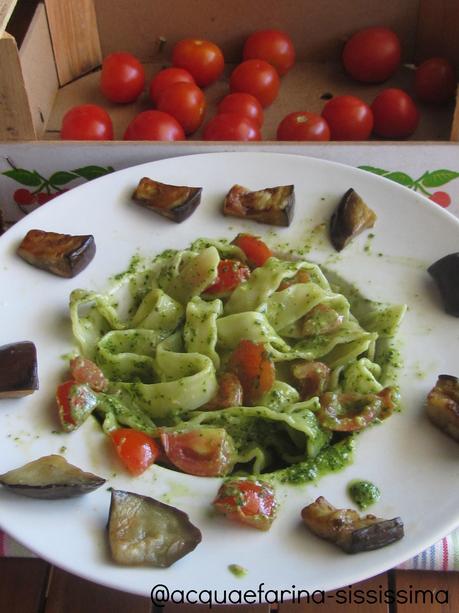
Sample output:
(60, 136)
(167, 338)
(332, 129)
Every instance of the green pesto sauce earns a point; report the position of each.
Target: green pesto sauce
(237, 571)
(363, 493)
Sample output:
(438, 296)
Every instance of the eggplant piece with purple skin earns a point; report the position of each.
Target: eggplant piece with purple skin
(50, 477)
(62, 254)
(443, 405)
(273, 205)
(18, 369)
(176, 202)
(142, 530)
(445, 273)
(347, 529)
(351, 218)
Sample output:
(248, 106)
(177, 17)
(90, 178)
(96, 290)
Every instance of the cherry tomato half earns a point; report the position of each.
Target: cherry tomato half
(273, 46)
(154, 125)
(166, 77)
(348, 118)
(75, 402)
(254, 368)
(258, 78)
(244, 104)
(372, 55)
(85, 371)
(230, 274)
(185, 102)
(87, 122)
(202, 58)
(303, 126)
(206, 452)
(247, 502)
(136, 450)
(231, 126)
(395, 114)
(122, 78)
(435, 81)
(255, 249)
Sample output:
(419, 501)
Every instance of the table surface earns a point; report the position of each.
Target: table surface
(33, 586)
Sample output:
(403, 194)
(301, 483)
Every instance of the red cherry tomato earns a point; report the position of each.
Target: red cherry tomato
(372, 55)
(254, 368)
(136, 450)
(303, 126)
(395, 114)
(230, 274)
(206, 452)
(255, 249)
(247, 502)
(85, 371)
(75, 402)
(154, 125)
(167, 77)
(258, 78)
(231, 126)
(348, 118)
(122, 78)
(244, 104)
(87, 122)
(435, 81)
(185, 102)
(273, 46)
(203, 59)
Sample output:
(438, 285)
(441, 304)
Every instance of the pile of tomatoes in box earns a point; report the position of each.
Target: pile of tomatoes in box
(178, 97)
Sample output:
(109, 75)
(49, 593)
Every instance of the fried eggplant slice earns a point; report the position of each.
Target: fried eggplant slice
(273, 205)
(445, 273)
(62, 254)
(351, 218)
(176, 202)
(347, 529)
(18, 369)
(142, 530)
(50, 477)
(443, 405)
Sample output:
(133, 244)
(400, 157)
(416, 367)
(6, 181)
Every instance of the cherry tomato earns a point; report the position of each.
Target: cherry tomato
(348, 118)
(166, 77)
(372, 55)
(255, 249)
(435, 81)
(231, 126)
(85, 371)
(303, 126)
(185, 102)
(244, 104)
(255, 370)
(136, 450)
(203, 59)
(87, 122)
(258, 78)
(154, 125)
(247, 502)
(230, 274)
(395, 114)
(75, 402)
(273, 46)
(122, 78)
(206, 452)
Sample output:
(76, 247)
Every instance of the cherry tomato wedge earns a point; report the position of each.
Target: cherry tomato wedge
(435, 81)
(122, 78)
(231, 126)
(87, 122)
(230, 274)
(255, 370)
(303, 125)
(166, 77)
(136, 450)
(258, 78)
(75, 402)
(202, 58)
(85, 371)
(348, 118)
(185, 102)
(205, 452)
(372, 55)
(255, 249)
(273, 46)
(247, 502)
(244, 104)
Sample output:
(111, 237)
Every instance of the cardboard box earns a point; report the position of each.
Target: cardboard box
(51, 51)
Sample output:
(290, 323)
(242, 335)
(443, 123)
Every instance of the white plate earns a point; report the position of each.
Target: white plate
(414, 464)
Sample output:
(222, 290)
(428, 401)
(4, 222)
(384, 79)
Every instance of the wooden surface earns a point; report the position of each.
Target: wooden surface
(32, 586)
